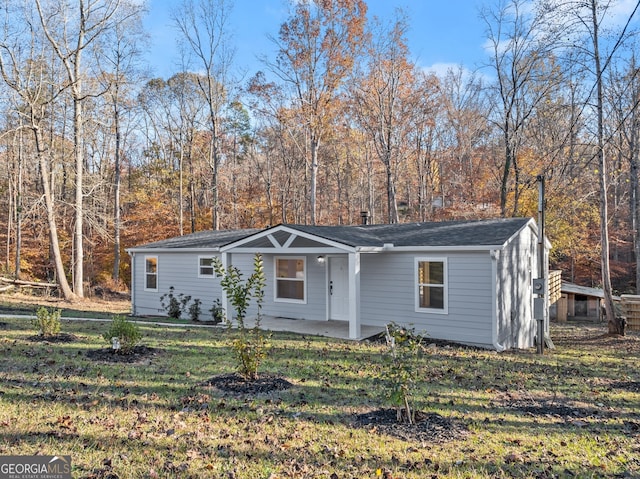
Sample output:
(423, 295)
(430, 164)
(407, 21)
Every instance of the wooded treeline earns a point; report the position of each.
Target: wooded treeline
(97, 156)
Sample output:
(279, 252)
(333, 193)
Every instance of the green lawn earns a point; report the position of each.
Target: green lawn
(574, 412)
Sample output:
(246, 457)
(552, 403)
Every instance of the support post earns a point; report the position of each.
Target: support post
(354, 296)
(542, 274)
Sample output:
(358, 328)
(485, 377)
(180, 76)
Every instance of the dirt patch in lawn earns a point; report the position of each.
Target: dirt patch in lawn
(138, 354)
(428, 427)
(237, 384)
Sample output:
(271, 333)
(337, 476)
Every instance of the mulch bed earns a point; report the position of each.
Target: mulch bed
(237, 384)
(428, 427)
(58, 338)
(138, 354)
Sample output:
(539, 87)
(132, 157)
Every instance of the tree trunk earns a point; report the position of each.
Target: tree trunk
(504, 185)
(116, 195)
(315, 145)
(615, 324)
(392, 205)
(61, 277)
(635, 206)
(78, 261)
(18, 206)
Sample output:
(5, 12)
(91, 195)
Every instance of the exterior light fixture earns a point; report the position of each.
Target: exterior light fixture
(321, 259)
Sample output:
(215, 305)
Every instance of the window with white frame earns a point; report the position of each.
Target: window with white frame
(151, 273)
(205, 267)
(290, 279)
(431, 277)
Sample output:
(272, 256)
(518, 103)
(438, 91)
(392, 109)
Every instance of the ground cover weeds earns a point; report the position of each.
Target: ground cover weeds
(155, 417)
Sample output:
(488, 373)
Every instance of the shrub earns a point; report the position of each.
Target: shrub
(402, 369)
(217, 311)
(123, 335)
(47, 322)
(174, 304)
(251, 345)
(195, 310)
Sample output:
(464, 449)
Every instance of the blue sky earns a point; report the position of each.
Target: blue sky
(442, 32)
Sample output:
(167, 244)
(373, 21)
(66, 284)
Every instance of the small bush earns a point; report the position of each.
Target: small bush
(123, 335)
(217, 311)
(174, 304)
(47, 322)
(195, 310)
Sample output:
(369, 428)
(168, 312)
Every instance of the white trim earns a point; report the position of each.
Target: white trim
(283, 251)
(157, 288)
(205, 276)
(134, 290)
(236, 246)
(273, 241)
(495, 256)
(276, 299)
(355, 324)
(445, 284)
(429, 249)
(142, 249)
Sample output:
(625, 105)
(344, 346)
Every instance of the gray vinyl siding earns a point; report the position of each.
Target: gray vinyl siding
(388, 289)
(315, 305)
(179, 270)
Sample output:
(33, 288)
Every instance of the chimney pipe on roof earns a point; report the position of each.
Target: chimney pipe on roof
(364, 215)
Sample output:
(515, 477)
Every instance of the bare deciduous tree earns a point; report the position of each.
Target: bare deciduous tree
(71, 30)
(317, 48)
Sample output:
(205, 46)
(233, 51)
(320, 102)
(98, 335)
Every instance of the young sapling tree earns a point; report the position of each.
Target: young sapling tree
(251, 345)
(403, 347)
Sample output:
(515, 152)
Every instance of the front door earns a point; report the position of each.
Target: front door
(338, 288)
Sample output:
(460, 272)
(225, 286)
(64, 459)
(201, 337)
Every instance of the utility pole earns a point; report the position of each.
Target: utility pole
(540, 284)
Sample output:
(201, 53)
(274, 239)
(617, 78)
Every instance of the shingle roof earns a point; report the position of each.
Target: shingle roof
(493, 232)
(445, 233)
(202, 239)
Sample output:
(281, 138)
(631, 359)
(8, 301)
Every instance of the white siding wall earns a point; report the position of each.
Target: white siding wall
(389, 286)
(179, 270)
(517, 266)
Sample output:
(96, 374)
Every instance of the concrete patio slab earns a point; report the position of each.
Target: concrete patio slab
(331, 328)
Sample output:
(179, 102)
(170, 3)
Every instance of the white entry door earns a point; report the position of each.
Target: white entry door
(338, 288)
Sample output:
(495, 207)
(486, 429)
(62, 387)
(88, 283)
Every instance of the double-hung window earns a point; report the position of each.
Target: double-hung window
(151, 273)
(205, 267)
(290, 280)
(431, 278)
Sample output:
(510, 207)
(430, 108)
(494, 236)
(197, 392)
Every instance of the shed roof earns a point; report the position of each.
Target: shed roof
(491, 232)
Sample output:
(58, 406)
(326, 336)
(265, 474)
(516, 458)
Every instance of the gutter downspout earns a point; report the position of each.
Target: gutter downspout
(495, 254)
